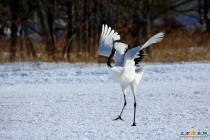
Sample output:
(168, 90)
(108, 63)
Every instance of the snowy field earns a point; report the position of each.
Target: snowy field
(60, 101)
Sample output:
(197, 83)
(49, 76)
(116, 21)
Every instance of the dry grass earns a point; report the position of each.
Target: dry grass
(184, 47)
(175, 47)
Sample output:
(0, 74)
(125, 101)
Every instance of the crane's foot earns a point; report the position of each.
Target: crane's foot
(118, 118)
(134, 124)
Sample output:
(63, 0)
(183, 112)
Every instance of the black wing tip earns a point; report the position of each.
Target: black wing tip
(141, 56)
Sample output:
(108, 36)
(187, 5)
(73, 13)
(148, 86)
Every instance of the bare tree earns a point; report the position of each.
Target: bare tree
(70, 28)
(25, 16)
(47, 34)
(14, 28)
(206, 13)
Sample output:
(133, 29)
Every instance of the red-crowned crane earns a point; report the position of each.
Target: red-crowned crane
(126, 71)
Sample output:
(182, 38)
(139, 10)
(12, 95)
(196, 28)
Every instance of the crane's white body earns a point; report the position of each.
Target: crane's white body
(125, 71)
(126, 75)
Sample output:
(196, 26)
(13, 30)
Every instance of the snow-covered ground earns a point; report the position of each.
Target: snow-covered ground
(59, 101)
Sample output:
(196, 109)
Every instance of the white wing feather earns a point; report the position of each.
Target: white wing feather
(132, 53)
(108, 35)
(154, 39)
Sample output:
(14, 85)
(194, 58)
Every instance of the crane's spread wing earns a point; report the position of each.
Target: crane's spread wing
(108, 35)
(154, 39)
(133, 53)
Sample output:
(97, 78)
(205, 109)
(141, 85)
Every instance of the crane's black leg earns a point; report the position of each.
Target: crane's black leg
(133, 89)
(123, 90)
(119, 117)
(134, 118)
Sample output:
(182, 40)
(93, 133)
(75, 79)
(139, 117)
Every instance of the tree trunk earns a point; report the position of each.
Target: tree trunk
(86, 26)
(138, 23)
(95, 27)
(206, 12)
(50, 46)
(29, 45)
(70, 31)
(14, 27)
(50, 18)
(200, 11)
(24, 32)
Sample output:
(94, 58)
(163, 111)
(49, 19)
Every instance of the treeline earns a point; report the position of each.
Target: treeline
(64, 29)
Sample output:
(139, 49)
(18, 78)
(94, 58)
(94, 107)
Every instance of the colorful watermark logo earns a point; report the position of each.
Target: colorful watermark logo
(194, 134)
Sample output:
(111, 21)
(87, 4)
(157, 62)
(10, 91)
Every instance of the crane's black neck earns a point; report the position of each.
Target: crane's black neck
(110, 57)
